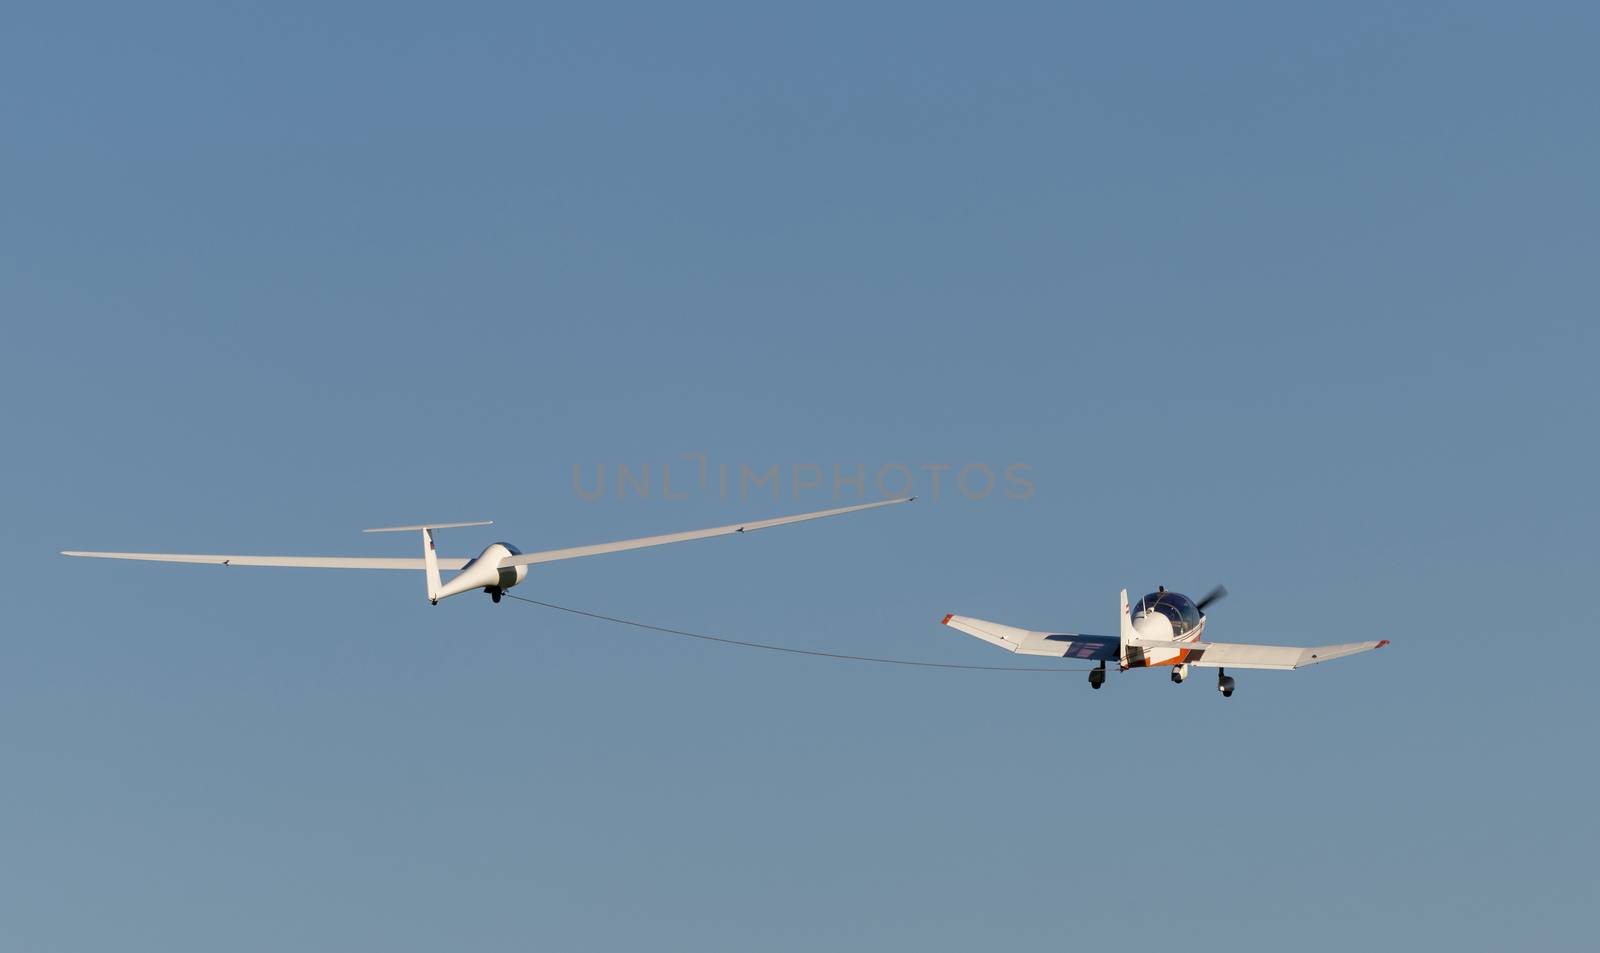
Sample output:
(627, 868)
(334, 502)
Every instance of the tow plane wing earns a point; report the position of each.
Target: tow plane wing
(1245, 655)
(1167, 632)
(1028, 642)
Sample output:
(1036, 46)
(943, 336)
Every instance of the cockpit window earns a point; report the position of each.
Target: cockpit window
(1175, 606)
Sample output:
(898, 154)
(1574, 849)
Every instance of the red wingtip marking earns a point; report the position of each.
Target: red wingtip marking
(946, 619)
(1382, 644)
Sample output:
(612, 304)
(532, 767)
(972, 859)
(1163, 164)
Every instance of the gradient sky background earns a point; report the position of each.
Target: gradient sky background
(1296, 297)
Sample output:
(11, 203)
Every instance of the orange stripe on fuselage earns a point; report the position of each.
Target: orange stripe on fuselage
(1144, 658)
(1183, 655)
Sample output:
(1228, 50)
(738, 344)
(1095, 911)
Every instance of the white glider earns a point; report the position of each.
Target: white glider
(499, 567)
(1164, 631)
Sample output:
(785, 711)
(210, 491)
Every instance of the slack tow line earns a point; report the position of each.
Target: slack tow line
(838, 656)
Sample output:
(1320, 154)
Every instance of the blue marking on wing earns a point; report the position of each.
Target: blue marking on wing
(1092, 647)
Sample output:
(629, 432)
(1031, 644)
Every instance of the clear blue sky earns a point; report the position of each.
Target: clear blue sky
(1296, 297)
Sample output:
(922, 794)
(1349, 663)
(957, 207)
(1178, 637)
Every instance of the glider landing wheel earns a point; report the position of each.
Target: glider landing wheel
(1097, 676)
(495, 592)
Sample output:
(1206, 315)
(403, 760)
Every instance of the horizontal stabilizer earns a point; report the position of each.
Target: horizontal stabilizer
(1028, 642)
(296, 562)
(404, 529)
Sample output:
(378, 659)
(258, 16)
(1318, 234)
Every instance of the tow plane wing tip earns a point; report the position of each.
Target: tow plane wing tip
(1381, 644)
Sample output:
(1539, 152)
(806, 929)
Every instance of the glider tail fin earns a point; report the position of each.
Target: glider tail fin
(430, 560)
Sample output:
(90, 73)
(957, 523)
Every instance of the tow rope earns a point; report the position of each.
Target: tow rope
(838, 656)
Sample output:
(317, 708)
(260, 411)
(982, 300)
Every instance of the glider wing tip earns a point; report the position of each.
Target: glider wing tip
(947, 618)
(1381, 644)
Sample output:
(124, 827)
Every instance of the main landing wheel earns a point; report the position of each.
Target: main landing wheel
(1097, 676)
(1224, 684)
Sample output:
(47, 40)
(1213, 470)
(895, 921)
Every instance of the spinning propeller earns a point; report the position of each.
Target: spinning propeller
(1210, 597)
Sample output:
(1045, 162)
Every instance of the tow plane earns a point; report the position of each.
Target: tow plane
(499, 567)
(1165, 630)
